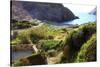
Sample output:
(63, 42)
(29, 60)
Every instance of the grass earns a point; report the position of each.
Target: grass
(21, 38)
(36, 34)
(33, 34)
(51, 40)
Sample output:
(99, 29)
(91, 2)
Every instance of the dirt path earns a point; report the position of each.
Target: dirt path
(33, 46)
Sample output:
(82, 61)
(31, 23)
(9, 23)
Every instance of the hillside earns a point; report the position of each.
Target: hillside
(79, 43)
(36, 41)
(56, 12)
(65, 45)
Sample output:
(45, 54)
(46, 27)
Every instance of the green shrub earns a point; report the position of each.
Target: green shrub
(23, 36)
(54, 31)
(77, 37)
(38, 33)
(88, 50)
(22, 24)
(50, 37)
(15, 41)
(32, 34)
(17, 63)
(49, 44)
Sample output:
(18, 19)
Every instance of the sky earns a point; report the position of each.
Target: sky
(93, 2)
(79, 7)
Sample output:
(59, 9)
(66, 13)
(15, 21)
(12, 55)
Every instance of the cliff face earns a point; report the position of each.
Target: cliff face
(94, 11)
(18, 13)
(23, 10)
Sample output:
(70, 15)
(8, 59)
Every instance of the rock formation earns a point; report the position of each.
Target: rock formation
(93, 11)
(23, 10)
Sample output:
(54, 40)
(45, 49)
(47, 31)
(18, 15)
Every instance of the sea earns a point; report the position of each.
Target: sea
(83, 18)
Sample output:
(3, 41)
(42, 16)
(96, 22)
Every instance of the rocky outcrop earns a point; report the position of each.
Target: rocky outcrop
(76, 39)
(93, 11)
(18, 13)
(23, 10)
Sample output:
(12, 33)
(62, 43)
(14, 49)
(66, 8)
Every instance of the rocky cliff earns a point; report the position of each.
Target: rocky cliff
(94, 11)
(24, 10)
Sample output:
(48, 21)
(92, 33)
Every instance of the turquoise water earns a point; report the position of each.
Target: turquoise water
(83, 18)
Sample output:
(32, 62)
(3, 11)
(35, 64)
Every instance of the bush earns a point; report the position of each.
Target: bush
(23, 36)
(33, 34)
(49, 44)
(22, 24)
(77, 37)
(88, 50)
(15, 41)
(17, 63)
(80, 35)
(38, 33)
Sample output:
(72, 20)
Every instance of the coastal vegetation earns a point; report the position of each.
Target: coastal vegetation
(55, 45)
(78, 41)
(22, 24)
(50, 33)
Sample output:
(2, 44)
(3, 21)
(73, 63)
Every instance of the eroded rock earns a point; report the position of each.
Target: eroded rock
(24, 10)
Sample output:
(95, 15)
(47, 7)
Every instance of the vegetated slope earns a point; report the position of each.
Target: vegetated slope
(78, 38)
(23, 10)
(88, 50)
(79, 46)
(15, 25)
